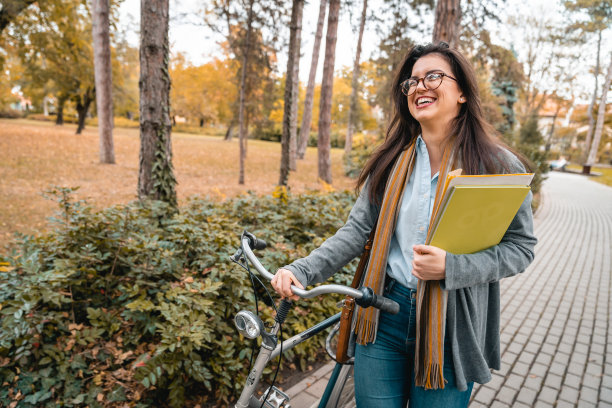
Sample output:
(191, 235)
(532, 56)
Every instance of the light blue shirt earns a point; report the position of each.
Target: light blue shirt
(413, 218)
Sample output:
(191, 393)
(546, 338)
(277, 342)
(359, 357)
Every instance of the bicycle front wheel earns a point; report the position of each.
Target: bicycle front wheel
(343, 394)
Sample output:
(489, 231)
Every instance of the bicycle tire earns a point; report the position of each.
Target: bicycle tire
(343, 393)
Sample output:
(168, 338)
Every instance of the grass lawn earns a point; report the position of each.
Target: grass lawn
(37, 155)
(606, 173)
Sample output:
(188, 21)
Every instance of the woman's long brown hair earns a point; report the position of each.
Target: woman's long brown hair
(475, 137)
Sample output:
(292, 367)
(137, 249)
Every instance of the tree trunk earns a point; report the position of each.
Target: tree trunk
(348, 143)
(103, 77)
(229, 132)
(448, 18)
(600, 117)
(308, 102)
(241, 108)
(156, 177)
(59, 120)
(289, 100)
(82, 107)
(295, 91)
(589, 135)
(46, 106)
(327, 85)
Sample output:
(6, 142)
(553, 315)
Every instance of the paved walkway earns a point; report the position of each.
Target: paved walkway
(556, 339)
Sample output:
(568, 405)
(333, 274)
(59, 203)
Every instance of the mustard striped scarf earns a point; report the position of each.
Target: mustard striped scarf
(431, 299)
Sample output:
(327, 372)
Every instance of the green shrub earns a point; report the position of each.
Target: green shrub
(130, 304)
(362, 149)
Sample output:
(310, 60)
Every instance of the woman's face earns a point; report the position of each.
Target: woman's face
(440, 105)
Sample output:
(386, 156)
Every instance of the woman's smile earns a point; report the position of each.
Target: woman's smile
(424, 101)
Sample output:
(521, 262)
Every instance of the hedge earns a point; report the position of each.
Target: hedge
(133, 305)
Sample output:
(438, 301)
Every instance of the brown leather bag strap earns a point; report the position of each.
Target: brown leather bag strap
(364, 258)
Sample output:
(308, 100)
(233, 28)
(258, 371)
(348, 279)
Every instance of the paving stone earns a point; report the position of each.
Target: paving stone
(603, 404)
(317, 388)
(514, 381)
(496, 382)
(561, 358)
(572, 380)
(581, 348)
(485, 396)
(520, 368)
(593, 368)
(605, 394)
(526, 396)
(303, 400)
(589, 394)
(515, 348)
(565, 404)
(569, 394)
(558, 369)
(542, 404)
(586, 404)
(545, 359)
(498, 404)
(520, 405)
(539, 370)
(553, 381)
(526, 357)
(574, 368)
(591, 380)
(548, 395)
(506, 395)
(533, 381)
(532, 348)
(565, 348)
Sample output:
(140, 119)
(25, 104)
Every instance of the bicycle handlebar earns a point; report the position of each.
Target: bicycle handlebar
(364, 297)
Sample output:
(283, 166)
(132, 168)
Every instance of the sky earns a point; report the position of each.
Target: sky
(200, 44)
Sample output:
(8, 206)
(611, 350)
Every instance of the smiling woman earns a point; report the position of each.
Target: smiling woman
(446, 336)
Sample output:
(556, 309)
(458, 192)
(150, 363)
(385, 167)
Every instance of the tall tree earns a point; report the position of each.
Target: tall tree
(600, 117)
(327, 84)
(348, 144)
(156, 177)
(592, 104)
(251, 30)
(447, 22)
(295, 92)
(308, 102)
(290, 89)
(590, 18)
(241, 115)
(103, 77)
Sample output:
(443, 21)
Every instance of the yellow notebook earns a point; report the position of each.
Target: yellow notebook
(475, 214)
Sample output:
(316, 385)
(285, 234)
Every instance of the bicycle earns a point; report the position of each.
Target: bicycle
(339, 390)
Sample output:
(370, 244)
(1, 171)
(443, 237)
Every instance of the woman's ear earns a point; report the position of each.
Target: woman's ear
(462, 99)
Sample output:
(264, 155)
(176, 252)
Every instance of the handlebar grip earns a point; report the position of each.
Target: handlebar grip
(255, 243)
(386, 305)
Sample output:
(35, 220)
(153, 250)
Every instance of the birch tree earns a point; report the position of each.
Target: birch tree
(323, 141)
(348, 144)
(156, 176)
(103, 78)
(600, 118)
(308, 102)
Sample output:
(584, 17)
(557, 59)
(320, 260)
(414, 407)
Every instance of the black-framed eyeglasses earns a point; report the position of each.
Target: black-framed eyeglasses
(431, 81)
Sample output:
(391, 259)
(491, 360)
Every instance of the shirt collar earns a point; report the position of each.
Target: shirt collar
(422, 146)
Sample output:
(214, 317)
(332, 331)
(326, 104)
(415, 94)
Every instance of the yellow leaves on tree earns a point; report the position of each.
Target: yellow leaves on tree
(205, 93)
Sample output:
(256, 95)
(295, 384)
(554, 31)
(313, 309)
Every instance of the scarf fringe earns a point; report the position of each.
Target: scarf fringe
(432, 378)
(365, 331)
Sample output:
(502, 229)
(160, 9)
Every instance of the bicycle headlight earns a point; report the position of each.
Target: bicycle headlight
(249, 325)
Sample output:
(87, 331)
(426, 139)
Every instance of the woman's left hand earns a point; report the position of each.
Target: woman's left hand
(428, 262)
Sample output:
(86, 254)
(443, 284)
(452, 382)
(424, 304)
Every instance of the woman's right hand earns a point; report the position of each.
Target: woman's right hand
(282, 281)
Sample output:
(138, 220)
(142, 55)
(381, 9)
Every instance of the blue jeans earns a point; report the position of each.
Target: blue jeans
(384, 370)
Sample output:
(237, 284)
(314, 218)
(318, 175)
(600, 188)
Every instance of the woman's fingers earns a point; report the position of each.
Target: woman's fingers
(282, 282)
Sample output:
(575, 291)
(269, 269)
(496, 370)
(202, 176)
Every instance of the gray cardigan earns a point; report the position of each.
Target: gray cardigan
(472, 280)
